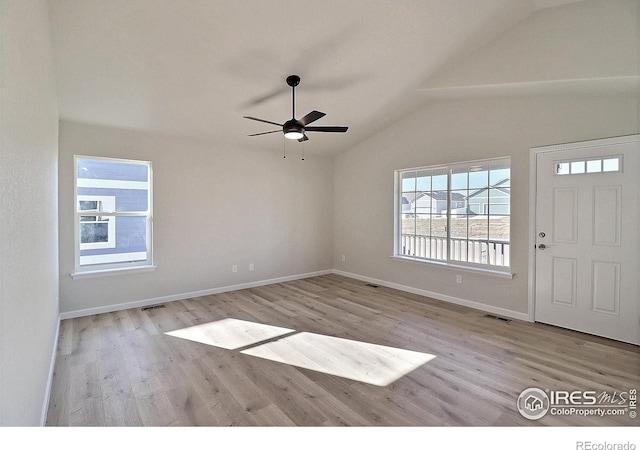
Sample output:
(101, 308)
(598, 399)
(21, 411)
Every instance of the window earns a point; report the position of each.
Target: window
(112, 214)
(457, 214)
(96, 231)
(593, 165)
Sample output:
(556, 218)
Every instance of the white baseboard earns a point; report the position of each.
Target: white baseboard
(502, 312)
(52, 366)
(186, 295)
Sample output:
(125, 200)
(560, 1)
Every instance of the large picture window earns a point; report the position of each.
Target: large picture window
(112, 214)
(457, 214)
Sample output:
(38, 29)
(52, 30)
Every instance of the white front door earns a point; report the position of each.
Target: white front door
(586, 237)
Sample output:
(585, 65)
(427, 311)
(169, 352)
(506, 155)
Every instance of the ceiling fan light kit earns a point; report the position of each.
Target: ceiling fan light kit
(292, 130)
(296, 129)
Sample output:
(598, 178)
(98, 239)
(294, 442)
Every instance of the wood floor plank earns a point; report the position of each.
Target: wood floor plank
(122, 369)
(225, 409)
(59, 404)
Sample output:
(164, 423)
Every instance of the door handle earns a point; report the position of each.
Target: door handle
(543, 246)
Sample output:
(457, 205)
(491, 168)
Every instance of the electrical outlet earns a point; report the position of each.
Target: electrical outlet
(234, 268)
(344, 258)
(459, 279)
(251, 266)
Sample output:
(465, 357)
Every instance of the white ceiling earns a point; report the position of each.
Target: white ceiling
(195, 67)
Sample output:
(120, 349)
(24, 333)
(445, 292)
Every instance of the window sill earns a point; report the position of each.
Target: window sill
(107, 272)
(480, 270)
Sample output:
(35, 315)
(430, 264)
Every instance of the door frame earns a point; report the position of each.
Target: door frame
(533, 196)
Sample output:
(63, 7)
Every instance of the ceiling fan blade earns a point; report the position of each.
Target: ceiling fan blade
(311, 117)
(327, 129)
(262, 120)
(303, 138)
(265, 97)
(266, 132)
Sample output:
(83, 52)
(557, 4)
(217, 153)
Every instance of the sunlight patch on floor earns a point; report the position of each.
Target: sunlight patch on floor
(360, 361)
(230, 334)
(355, 360)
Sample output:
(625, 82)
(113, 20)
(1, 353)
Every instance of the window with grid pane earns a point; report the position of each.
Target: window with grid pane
(458, 213)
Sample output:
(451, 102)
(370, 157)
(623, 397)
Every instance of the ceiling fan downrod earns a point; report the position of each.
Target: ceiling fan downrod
(293, 129)
(293, 81)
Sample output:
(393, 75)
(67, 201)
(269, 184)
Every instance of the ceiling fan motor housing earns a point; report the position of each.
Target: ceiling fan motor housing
(293, 80)
(293, 129)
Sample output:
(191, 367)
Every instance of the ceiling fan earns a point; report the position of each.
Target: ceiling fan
(297, 128)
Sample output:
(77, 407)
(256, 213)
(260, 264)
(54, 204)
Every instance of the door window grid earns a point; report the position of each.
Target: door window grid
(586, 166)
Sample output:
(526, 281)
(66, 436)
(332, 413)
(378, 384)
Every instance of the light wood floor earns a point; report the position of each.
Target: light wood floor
(121, 368)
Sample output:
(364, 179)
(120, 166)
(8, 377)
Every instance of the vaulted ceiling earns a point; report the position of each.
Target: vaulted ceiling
(196, 67)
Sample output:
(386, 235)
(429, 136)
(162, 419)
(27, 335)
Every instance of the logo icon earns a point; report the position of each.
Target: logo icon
(533, 403)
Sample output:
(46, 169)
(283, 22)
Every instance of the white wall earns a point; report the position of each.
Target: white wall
(289, 217)
(215, 206)
(564, 74)
(452, 131)
(28, 212)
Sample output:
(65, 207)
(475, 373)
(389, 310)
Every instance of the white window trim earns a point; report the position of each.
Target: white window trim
(91, 269)
(106, 272)
(501, 271)
(115, 258)
(483, 269)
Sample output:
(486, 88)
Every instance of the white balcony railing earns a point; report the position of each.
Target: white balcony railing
(480, 251)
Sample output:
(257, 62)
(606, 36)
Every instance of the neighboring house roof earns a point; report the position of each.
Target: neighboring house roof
(498, 186)
(411, 197)
(408, 197)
